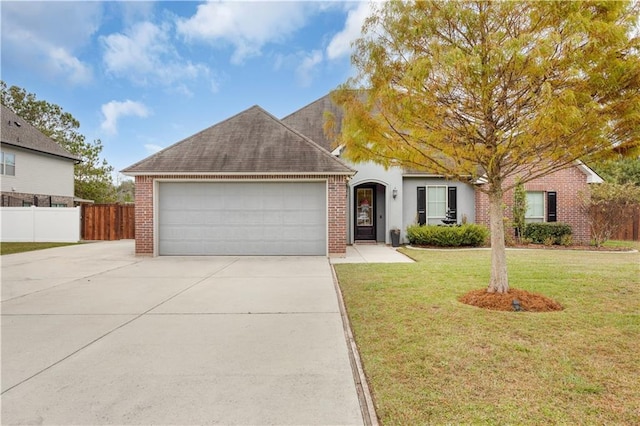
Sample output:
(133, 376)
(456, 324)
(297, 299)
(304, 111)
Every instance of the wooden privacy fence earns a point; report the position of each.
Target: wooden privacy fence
(630, 230)
(108, 221)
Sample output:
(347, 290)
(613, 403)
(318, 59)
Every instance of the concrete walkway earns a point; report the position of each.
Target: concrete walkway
(372, 253)
(94, 335)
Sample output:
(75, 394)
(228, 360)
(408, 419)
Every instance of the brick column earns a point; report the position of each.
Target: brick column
(337, 187)
(144, 215)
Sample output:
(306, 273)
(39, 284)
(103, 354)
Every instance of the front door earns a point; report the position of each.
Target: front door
(365, 206)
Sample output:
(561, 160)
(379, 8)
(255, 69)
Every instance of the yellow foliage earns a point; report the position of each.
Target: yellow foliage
(462, 88)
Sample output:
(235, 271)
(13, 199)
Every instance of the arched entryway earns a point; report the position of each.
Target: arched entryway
(369, 212)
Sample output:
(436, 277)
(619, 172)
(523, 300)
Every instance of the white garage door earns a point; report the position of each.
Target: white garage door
(242, 218)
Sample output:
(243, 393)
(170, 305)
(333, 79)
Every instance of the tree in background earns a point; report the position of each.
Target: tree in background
(621, 170)
(493, 91)
(126, 190)
(92, 175)
(609, 206)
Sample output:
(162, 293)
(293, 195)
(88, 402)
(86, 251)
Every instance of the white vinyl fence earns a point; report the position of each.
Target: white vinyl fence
(40, 224)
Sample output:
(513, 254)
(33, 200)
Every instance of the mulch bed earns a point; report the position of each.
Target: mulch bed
(530, 302)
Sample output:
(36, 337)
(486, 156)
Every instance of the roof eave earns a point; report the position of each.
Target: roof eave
(236, 174)
(68, 157)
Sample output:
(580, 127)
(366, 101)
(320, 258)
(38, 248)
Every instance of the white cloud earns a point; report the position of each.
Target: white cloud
(247, 26)
(306, 69)
(47, 39)
(340, 44)
(113, 110)
(136, 51)
(66, 64)
(144, 54)
(153, 148)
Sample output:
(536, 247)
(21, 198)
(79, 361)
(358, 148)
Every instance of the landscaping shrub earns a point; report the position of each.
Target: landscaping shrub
(469, 235)
(547, 233)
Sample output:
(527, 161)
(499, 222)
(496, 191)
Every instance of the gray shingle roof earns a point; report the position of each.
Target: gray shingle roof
(17, 132)
(309, 120)
(252, 141)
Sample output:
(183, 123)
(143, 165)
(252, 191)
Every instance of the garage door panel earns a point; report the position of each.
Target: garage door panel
(178, 248)
(242, 218)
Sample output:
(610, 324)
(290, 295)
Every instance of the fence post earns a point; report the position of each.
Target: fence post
(33, 223)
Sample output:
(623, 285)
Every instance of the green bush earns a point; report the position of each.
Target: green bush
(448, 236)
(547, 232)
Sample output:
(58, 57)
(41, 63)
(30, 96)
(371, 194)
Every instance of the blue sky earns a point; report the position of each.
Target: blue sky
(141, 76)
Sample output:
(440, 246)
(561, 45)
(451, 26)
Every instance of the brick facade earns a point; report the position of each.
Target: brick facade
(337, 215)
(568, 184)
(336, 208)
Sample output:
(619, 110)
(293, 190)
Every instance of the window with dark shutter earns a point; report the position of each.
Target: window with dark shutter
(452, 203)
(422, 205)
(552, 206)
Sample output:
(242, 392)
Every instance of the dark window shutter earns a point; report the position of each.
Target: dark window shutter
(552, 206)
(422, 205)
(452, 203)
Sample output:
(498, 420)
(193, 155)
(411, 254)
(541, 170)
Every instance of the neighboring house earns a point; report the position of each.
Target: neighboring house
(256, 185)
(35, 169)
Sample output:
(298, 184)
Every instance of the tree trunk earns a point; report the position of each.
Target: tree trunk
(499, 280)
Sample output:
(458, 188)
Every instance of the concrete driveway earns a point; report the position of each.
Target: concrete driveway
(92, 334)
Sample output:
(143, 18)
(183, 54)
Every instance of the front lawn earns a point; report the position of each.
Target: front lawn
(622, 244)
(10, 248)
(433, 360)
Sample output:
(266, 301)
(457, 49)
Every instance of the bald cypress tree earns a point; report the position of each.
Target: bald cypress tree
(494, 91)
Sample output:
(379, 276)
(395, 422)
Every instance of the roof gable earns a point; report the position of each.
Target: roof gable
(252, 141)
(18, 132)
(592, 176)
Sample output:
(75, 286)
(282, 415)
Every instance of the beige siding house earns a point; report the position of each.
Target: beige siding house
(34, 169)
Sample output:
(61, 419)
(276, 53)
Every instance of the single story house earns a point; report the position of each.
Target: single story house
(35, 170)
(254, 185)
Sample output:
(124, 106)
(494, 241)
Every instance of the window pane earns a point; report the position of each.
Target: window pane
(10, 164)
(364, 203)
(535, 205)
(436, 201)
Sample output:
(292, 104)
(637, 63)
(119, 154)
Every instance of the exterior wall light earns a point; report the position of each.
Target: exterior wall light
(395, 193)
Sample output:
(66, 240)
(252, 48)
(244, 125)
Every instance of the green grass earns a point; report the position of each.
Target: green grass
(432, 360)
(10, 248)
(624, 244)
